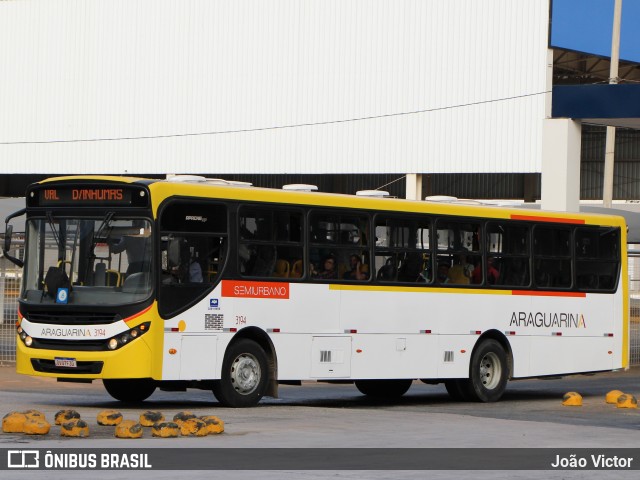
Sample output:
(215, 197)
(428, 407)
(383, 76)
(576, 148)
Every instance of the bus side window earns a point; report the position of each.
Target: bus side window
(270, 239)
(597, 258)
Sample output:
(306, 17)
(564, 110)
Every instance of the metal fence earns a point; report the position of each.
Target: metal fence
(10, 278)
(634, 301)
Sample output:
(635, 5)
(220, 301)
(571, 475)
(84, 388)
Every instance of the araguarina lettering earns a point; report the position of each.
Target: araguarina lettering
(65, 332)
(547, 320)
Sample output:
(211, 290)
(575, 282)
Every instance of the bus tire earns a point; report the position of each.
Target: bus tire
(457, 389)
(383, 388)
(130, 390)
(488, 372)
(244, 375)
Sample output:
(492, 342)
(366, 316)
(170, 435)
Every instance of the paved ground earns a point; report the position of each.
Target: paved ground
(319, 416)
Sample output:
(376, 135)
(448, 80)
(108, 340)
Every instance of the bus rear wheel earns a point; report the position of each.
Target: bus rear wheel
(244, 375)
(131, 389)
(383, 388)
(488, 372)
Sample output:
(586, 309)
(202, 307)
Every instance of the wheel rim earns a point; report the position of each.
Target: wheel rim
(245, 374)
(490, 371)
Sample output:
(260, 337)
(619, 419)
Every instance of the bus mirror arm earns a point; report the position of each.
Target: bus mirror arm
(7, 238)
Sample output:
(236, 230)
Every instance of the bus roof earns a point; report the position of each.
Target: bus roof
(161, 189)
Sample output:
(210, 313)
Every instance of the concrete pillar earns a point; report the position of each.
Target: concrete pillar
(414, 186)
(561, 164)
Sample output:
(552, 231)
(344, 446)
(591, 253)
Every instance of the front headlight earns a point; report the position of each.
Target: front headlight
(122, 339)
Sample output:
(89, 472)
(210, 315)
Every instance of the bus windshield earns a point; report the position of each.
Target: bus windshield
(99, 260)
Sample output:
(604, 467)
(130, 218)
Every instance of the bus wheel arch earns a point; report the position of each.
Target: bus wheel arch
(490, 367)
(252, 351)
(501, 338)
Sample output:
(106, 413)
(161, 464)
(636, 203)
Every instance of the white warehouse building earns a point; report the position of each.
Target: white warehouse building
(365, 91)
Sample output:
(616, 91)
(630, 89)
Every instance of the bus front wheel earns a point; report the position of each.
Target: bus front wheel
(244, 375)
(489, 372)
(383, 388)
(130, 389)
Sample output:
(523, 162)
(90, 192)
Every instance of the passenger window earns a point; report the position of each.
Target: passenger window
(597, 258)
(458, 252)
(552, 257)
(507, 260)
(270, 243)
(339, 247)
(403, 250)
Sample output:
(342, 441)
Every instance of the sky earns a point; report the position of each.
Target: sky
(586, 26)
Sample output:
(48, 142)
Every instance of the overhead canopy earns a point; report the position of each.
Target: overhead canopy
(615, 105)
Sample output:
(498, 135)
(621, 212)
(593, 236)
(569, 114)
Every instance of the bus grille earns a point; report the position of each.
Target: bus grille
(72, 318)
(71, 345)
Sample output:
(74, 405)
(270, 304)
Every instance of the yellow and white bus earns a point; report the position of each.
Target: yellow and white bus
(201, 283)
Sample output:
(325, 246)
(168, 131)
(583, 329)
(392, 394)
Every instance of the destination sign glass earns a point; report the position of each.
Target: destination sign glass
(91, 195)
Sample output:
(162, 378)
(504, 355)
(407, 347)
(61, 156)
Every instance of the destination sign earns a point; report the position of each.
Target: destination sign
(70, 195)
(93, 195)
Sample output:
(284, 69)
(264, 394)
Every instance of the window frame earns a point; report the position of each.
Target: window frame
(271, 242)
(198, 291)
(340, 248)
(418, 221)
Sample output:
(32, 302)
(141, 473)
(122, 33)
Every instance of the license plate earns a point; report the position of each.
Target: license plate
(65, 362)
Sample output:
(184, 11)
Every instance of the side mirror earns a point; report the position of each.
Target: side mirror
(7, 238)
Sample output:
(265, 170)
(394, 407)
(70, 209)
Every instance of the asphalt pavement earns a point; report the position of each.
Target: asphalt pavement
(318, 415)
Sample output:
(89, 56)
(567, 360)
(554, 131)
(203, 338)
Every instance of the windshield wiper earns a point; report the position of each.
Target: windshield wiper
(56, 237)
(106, 221)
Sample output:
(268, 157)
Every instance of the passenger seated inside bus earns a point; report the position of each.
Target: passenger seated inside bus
(327, 270)
(183, 263)
(493, 275)
(443, 272)
(460, 273)
(411, 268)
(357, 270)
(387, 272)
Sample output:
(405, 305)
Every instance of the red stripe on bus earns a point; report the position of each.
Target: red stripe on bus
(133, 317)
(529, 218)
(542, 293)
